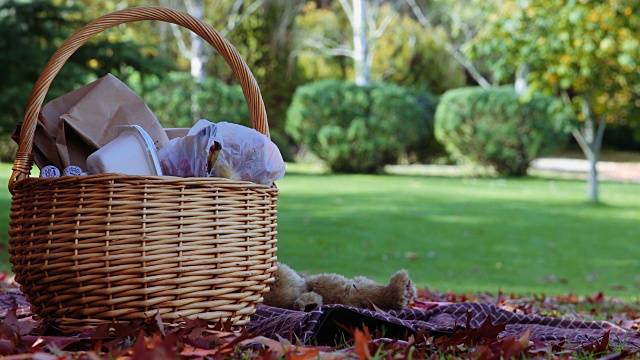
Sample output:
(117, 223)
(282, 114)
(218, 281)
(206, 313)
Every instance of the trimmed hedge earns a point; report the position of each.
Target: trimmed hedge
(495, 128)
(357, 129)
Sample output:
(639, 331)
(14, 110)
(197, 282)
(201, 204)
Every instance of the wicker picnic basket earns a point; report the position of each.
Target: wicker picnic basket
(89, 250)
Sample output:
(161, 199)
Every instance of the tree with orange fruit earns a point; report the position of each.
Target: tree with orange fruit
(585, 52)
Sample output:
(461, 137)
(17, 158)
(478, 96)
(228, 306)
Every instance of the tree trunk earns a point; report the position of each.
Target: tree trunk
(362, 71)
(592, 179)
(522, 82)
(198, 60)
(590, 140)
(197, 54)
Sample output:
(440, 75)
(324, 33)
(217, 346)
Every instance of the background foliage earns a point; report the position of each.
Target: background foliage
(171, 100)
(576, 50)
(274, 38)
(355, 128)
(589, 49)
(495, 128)
(29, 34)
(172, 97)
(405, 54)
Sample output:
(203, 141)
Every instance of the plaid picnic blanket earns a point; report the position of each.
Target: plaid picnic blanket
(327, 324)
(324, 325)
(9, 299)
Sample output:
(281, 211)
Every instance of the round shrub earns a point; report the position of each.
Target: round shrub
(495, 128)
(354, 128)
(178, 101)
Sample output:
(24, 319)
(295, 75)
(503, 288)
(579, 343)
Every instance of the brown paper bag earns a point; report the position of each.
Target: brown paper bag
(76, 124)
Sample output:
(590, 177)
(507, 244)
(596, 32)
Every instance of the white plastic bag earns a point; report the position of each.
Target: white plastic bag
(245, 154)
(187, 156)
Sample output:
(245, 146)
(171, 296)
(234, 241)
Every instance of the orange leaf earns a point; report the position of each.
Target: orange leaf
(303, 353)
(362, 343)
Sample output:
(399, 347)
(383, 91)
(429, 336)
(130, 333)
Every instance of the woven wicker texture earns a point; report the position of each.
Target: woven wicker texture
(89, 250)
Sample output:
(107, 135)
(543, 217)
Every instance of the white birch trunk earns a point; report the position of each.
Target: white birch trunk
(198, 57)
(198, 61)
(521, 82)
(590, 140)
(592, 179)
(360, 43)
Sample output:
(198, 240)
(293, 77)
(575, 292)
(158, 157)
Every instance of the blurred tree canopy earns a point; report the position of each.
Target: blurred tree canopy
(31, 31)
(453, 26)
(260, 30)
(264, 39)
(582, 51)
(404, 54)
(586, 50)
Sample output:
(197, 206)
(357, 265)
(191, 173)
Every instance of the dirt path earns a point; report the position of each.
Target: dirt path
(607, 170)
(545, 167)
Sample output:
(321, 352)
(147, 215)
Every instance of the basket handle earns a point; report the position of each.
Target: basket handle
(24, 156)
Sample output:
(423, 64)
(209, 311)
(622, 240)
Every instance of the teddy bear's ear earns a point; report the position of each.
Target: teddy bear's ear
(308, 301)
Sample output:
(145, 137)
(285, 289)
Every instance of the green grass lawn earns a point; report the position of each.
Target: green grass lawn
(5, 206)
(518, 235)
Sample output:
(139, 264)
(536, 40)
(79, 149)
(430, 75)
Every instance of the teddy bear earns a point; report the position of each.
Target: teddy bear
(290, 290)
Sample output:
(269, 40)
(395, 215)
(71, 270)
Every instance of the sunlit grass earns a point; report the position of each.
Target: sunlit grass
(517, 235)
(5, 205)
